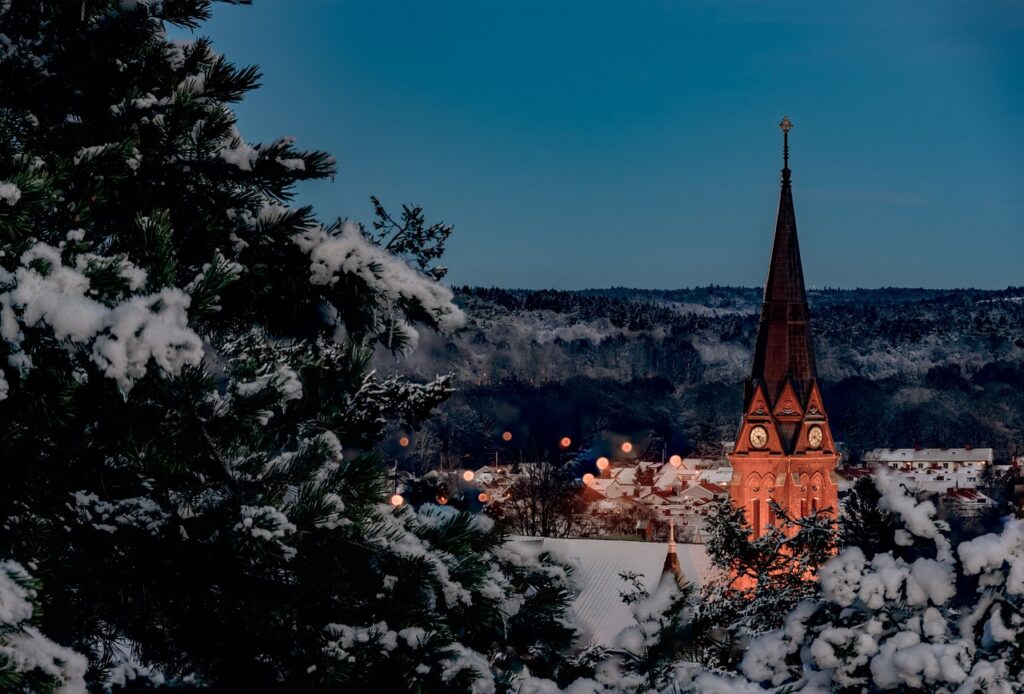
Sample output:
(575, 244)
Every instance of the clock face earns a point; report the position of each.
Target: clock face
(814, 437)
(758, 437)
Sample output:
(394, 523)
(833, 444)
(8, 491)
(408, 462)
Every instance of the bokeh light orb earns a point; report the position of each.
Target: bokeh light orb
(442, 499)
(483, 497)
(588, 479)
(397, 500)
(468, 475)
(676, 460)
(627, 447)
(603, 463)
(506, 436)
(565, 442)
(404, 441)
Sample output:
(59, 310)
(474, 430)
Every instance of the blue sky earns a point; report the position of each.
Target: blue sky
(635, 143)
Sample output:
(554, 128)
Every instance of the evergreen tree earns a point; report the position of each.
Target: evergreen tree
(760, 580)
(662, 634)
(187, 415)
(863, 524)
(30, 662)
(949, 620)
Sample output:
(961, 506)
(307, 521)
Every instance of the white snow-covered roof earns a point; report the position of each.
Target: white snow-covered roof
(671, 474)
(614, 502)
(968, 496)
(697, 491)
(625, 475)
(928, 455)
(694, 561)
(597, 565)
(941, 480)
(721, 476)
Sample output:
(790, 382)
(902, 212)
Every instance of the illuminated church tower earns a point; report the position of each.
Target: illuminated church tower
(784, 449)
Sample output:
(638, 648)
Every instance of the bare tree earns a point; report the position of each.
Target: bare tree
(546, 499)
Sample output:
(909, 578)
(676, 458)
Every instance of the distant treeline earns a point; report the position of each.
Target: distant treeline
(665, 367)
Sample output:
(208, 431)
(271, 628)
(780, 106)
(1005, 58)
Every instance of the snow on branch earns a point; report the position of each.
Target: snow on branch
(27, 656)
(350, 252)
(124, 337)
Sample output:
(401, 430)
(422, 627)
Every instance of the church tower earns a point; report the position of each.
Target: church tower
(784, 449)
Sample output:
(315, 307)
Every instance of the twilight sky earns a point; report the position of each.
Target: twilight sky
(595, 143)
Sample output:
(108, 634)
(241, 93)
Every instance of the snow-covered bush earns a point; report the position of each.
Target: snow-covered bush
(922, 614)
(947, 620)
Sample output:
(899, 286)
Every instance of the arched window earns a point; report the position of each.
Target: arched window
(755, 488)
(805, 486)
(816, 490)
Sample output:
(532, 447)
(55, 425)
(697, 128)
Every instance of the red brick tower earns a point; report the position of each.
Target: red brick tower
(784, 449)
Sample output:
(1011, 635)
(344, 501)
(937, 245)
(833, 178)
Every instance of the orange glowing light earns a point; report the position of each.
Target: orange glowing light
(588, 479)
(565, 442)
(507, 436)
(404, 441)
(676, 460)
(483, 497)
(397, 500)
(468, 475)
(603, 463)
(442, 499)
(627, 447)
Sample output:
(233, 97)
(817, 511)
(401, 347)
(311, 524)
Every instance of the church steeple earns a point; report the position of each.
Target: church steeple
(784, 349)
(784, 451)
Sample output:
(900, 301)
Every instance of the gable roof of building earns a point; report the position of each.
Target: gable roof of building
(597, 565)
(928, 455)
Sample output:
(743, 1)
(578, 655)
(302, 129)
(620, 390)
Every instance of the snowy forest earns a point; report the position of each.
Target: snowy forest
(194, 426)
(899, 368)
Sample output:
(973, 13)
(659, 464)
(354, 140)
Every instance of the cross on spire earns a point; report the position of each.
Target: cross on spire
(786, 124)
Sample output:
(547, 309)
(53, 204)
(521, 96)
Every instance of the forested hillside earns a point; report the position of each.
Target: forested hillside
(899, 367)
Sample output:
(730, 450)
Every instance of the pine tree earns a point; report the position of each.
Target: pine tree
(863, 524)
(187, 410)
(29, 661)
(948, 620)
(760, 579)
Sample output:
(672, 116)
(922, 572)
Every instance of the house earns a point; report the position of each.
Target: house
(967, 503)
(611, 488)
(948, 459)
(680, 492)
(721, 475)
(848, 477)
(597, 568)
(934, 469)
(704, 490)
(671, 477)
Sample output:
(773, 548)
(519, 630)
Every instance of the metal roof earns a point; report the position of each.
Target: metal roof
(783, 348)
(597, 565)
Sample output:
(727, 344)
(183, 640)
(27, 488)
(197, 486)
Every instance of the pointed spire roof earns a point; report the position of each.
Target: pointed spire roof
(671, 557)
(784, 349)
